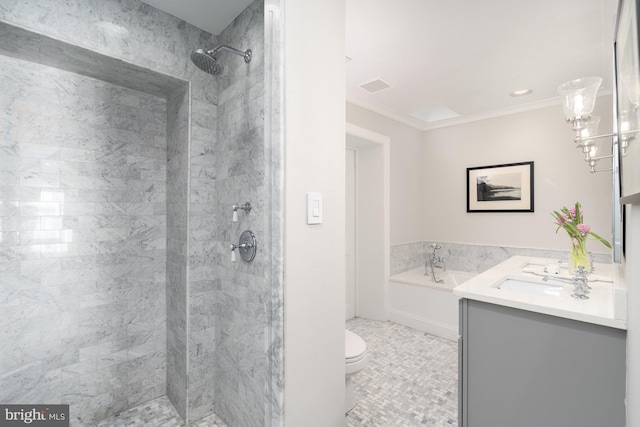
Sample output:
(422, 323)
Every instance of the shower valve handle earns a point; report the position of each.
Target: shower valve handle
(247, 246)
(246, 208)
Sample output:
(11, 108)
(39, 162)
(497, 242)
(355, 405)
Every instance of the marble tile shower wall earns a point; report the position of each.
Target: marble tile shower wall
(244, 293)
(203, 264)
(471, 258)
(125, 29)
(82, 241)
(177, 248)
(155, 43)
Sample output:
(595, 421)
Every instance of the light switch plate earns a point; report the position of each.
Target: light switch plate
(314, 208)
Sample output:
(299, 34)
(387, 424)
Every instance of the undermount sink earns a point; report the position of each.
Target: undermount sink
(530, 287)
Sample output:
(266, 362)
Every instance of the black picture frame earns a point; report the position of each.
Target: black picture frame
(627, 71)
(500, 188)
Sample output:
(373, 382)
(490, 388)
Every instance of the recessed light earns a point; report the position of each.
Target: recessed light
(521, 92)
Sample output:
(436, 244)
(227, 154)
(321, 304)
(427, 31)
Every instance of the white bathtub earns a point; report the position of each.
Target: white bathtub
(416, 301)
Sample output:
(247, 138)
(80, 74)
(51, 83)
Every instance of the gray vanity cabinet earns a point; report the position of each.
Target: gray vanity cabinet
(524, 369)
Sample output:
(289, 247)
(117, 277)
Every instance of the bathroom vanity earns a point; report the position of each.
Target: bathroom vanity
(533, 356)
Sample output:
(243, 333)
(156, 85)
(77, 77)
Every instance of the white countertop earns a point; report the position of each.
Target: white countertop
(605, 306)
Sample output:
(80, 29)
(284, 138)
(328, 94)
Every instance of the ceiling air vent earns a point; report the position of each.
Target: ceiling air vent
(375, 86)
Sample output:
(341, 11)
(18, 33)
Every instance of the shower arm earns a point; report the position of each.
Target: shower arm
(246, 55)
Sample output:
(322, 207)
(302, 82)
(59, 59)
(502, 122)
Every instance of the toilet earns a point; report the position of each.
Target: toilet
(355, 359)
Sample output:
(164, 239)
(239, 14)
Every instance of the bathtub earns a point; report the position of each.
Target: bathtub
(416, 301)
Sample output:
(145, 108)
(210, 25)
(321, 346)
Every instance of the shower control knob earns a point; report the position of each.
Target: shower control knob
(247, 246)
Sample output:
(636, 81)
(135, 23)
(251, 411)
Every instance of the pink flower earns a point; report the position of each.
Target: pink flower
(570, 219)
(583, 229)
(572, 211)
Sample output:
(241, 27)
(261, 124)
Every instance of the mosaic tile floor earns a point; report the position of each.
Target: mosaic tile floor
(156, 413)
(411, 378)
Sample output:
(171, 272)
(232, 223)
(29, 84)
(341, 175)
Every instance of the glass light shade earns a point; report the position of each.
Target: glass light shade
(628, 129)
(628, 121)
(631, 85)
(591, 129)
(579, 96)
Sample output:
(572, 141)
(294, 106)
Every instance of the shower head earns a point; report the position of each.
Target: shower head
(207, 60)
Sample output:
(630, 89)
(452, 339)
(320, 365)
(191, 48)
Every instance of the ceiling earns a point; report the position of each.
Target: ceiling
(455, 58)
(209, 15)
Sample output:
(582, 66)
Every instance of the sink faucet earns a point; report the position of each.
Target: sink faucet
(433, 261)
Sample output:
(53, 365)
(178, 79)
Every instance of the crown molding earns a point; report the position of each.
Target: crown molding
(407, 120)
(423, 126)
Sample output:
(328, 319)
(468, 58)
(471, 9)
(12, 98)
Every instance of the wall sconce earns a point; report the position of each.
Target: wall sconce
(578, 100)
(628, 128)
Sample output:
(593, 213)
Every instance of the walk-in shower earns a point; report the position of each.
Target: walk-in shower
(117, 174)
(207, 59)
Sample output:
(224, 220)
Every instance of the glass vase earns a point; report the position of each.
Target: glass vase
(579, 257)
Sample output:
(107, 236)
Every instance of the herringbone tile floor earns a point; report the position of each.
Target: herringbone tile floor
(411, 378)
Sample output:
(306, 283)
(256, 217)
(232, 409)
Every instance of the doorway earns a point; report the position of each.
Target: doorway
(367, 223)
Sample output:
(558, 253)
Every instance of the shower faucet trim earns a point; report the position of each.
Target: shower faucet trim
(247, 54)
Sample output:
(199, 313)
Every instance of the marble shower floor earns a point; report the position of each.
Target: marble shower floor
(411, 378)
(156, 413)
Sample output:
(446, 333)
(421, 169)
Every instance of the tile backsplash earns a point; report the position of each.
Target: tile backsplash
(467, 257)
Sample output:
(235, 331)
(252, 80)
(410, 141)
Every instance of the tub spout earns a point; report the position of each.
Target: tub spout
(433, 264)
(434, 261)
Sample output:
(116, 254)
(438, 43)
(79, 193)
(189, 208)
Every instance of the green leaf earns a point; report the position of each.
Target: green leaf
(603, 241)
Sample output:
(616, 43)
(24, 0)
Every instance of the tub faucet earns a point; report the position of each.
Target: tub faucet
(433, 261)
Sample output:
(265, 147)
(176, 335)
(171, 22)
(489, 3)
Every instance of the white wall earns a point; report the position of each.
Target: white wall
(632, 276)
(561, 178)
(314, 270)
(428, 178)
(405, 170)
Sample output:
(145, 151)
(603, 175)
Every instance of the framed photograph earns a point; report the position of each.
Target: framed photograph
(500, 188)
(628, 100)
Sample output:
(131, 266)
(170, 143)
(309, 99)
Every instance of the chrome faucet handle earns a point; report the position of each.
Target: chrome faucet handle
(580, 286)
(435, 246)
(246, 208)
